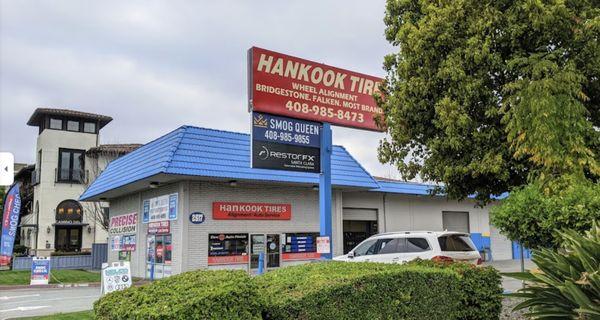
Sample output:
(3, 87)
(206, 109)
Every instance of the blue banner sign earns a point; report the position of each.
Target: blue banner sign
(40, 271)
(10, 221)
(146, 212)
(173, 199)
(270, 128)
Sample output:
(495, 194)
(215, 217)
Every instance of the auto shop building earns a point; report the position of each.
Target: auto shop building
(190, 200)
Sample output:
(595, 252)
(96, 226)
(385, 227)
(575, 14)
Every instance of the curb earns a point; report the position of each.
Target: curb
(62, 285)
(50, 286)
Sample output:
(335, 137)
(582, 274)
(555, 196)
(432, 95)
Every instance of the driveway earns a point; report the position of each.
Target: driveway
(43, 301)
(509, 284)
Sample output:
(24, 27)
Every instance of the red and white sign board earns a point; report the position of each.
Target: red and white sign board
(251, 211)
(241, 259)
(298, 256)
(159, 227)
(323, 245)
(126, 223)
(285, 85)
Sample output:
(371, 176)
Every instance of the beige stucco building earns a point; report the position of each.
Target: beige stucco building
(68, 157)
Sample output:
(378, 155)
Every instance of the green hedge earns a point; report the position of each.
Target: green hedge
(323, 290)
(191, 295)
(480, 289)
(341, 290)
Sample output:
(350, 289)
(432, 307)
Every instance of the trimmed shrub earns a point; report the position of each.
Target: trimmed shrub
(190, 295)
(341, 290)
(480, 289)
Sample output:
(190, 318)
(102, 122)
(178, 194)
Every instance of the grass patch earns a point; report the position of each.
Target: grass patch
(81, 315)
(21, 277)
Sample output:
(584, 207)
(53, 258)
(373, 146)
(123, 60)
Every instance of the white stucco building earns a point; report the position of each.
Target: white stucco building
(190, 200)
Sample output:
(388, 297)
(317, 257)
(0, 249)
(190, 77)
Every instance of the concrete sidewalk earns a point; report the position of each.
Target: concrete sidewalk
(510, 284)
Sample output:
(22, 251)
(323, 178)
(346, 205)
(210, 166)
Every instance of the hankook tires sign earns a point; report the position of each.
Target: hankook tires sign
(293, 87)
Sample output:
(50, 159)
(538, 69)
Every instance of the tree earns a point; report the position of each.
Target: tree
(536, 218)
(2, 194)
(486, 96)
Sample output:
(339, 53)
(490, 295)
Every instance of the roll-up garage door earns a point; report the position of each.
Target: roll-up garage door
(360, 214)
(500, 245)
(455, 221)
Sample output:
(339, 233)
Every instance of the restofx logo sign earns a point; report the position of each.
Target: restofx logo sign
(265, 154)
(268, 155)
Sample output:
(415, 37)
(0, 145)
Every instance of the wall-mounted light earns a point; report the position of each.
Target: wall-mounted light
(233, 183)
(154, 184)
(89, 229)
(315, 187)
(48, 229)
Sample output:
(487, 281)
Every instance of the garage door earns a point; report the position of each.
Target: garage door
(455, 221)
(360, 214)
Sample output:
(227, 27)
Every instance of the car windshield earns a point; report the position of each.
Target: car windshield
(456, 242)
(365, 248)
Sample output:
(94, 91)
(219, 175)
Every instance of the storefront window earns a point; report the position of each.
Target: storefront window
(160, 248)
(227, 244)
(300, 242)
(227, 248)
(159, 256)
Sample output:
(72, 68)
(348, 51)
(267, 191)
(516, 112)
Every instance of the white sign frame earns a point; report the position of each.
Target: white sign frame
(120, 280)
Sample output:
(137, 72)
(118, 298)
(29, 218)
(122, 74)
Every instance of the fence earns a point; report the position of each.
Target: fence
(92, 261)
(99, 255)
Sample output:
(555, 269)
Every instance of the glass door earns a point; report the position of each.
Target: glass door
(273, 251)
(257, 245)
(67, 239)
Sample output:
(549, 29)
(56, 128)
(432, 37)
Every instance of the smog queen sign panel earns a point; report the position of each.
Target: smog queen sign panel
(288, 86)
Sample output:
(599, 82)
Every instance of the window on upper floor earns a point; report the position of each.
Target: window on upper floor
(56, 124)
(71, 166)
(89, 127)
(72, 125)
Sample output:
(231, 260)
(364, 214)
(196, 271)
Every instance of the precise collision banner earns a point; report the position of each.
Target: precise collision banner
(288, 86)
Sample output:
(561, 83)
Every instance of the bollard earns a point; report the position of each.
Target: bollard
(261, 263)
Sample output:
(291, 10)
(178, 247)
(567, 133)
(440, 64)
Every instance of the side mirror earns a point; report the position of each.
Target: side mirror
(351, 254)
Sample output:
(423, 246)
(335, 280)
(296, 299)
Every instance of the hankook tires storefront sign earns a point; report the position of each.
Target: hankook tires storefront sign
(251, 211)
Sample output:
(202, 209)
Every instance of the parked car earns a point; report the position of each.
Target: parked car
(400, 247)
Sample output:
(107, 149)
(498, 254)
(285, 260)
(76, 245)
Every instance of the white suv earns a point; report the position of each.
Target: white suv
(400, 247)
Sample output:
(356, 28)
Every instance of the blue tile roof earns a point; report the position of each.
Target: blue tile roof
(404, 187)
(413, 188)
(194, 151)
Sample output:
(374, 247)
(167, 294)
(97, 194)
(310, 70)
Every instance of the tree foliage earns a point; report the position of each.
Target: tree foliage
(2, 194)
(488, 95)
(536, 219)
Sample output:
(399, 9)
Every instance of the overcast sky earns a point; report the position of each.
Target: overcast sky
(156, 65)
